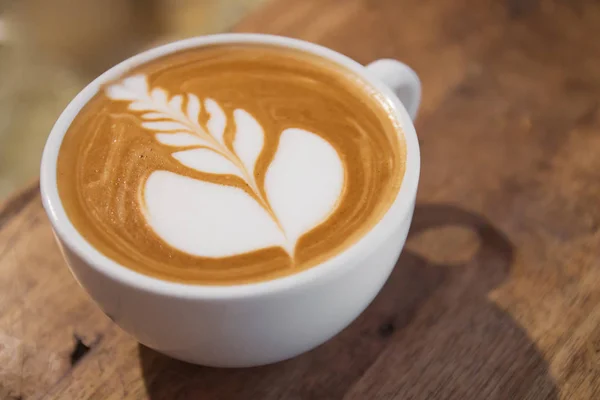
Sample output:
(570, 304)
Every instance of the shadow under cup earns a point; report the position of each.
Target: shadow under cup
(253, 324)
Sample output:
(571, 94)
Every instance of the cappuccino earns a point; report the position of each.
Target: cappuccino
(230, 164)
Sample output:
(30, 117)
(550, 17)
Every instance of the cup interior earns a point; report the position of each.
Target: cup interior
(329, 269)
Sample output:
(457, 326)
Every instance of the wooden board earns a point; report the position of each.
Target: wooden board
(497, 295)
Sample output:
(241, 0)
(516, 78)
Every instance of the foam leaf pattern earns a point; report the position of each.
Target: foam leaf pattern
(302, 185)
(159, 96)
(164, 126)
(177, 124)
(211, 220)
(180, 139)
(303, 193)
(217, 119)
(206, 160)
(193, 108)
(136, 84)
(249, 138)
(153, 116)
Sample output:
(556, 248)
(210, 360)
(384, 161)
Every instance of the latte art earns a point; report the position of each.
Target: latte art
(230, 164)
(226, 220)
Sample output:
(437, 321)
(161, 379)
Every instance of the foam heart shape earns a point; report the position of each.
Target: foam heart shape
(212, 220)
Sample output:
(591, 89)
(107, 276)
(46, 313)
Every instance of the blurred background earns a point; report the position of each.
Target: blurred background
(50, 49)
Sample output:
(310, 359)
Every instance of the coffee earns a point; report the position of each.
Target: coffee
(230, 164)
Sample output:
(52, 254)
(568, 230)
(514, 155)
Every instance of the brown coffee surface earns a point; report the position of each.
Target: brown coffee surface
(107, 156)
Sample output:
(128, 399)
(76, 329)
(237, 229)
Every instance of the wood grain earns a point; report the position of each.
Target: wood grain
(497, 295)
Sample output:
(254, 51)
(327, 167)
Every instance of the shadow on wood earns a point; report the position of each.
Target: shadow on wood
(431, 333)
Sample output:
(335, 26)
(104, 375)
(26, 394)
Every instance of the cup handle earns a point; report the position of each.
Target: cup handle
(403, 81)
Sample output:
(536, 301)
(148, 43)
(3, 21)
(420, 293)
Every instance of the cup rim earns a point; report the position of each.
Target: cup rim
(329, 269)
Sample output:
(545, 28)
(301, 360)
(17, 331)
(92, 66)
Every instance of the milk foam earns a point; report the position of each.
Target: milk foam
(302, 186)
(186, 169)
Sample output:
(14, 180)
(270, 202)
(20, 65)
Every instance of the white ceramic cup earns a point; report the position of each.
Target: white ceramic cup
(252, 324)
